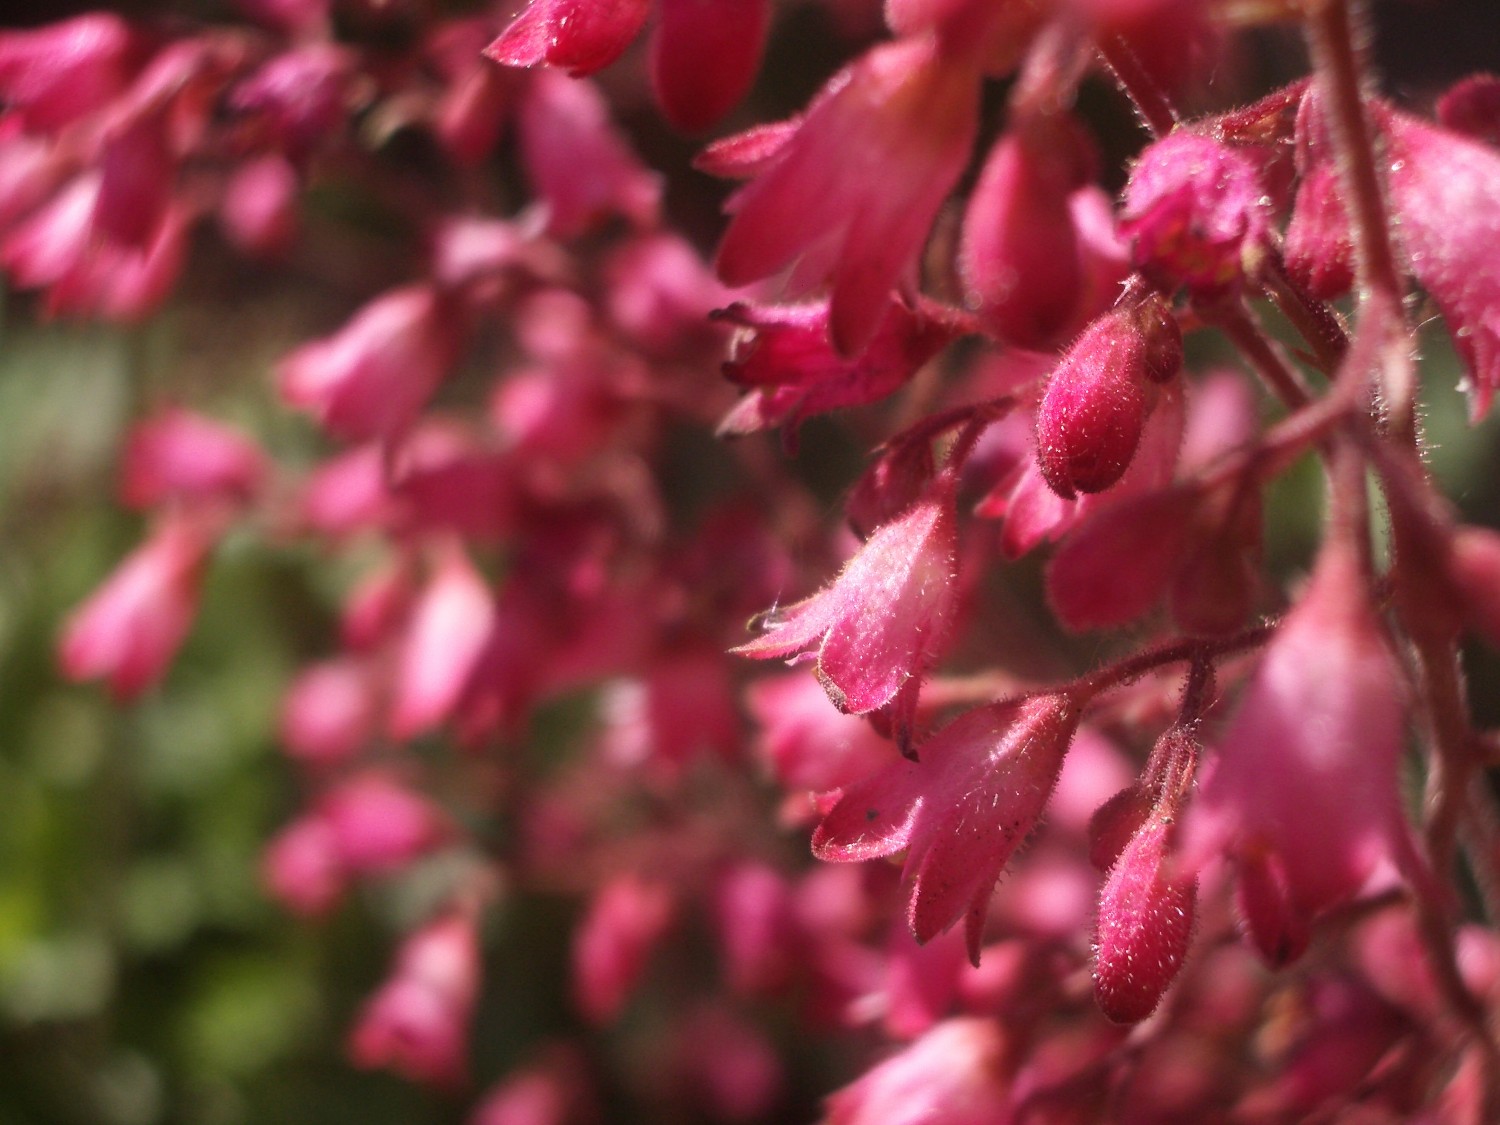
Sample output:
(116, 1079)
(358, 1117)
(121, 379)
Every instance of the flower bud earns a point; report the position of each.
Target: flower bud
(1194, 208)
(704, 57)
(577, 36)
(1145, 925)
(1097, 400)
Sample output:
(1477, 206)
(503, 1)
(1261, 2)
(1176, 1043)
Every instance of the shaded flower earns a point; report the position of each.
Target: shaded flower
(417, 1024)
(129, 629)
(704, 56)
(955, 1074)
(1304, 794)
(372, 377)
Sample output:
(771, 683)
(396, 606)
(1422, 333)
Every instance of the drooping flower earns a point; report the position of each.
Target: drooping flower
(372, 377)
(960, 812)
(885, 620)
(417, 1024)
(576, 36)
(129, 630)
(180, 455)
(1020, 257)
(1446, 189)
(1145, 924)
(783, 356)
(955, 1074)
(704, 56)
(624, 923)
(63, 71)
(1304, 794)
(853, 193)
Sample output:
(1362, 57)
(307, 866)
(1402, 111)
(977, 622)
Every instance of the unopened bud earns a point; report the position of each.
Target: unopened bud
(1098, 398)
(1145, 926)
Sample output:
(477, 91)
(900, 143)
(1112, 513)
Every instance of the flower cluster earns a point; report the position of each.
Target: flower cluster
(1221, 794)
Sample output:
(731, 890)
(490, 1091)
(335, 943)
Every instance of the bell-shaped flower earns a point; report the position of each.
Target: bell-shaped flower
(372, 377)
(328, 712)
(960, 812)
(179, 455)
(379, 824)
(581, 167)
(885, 620)
(853, 193)
(576, 36)
(1446, 189)
(258, 211)
(1195, 209)
(297, 100)
(129, 630)
(704, 57)
(1304, 792)
(957, 1074)
(301, 867)
(782, 354)
(58, 73)
(1019, 256)
(449, 627)
(804, 743)
(624, 923)
(417, 1024)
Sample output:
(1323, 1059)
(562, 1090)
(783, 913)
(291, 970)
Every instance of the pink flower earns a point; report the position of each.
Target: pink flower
(1020, 257)
(581, 167)
(704, 56)
(1195, 208)
(179, 455)
(884, 621)
(63, 71)
(130, 628)
(449, 627)
(955, 1074)
(301, 867)
(327, 716)
(1305, 790)
(807, 744)
(1145, 925)
(854, 192)
(783, 355)
(417, 1023)
(379, 825)
(1446, 190)
(960, 812)
(298, 99)
(372, 377)
(259, 210)
(577, 36)
(624, 923)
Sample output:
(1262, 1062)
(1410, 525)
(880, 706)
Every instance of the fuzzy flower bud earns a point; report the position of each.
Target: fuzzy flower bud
(1145, 925)
(1194, 208)
(1098, 398)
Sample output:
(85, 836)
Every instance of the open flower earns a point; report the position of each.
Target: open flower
(883, 622)
(960, 812)
(854, 191)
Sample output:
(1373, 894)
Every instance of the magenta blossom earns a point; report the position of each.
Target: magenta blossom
(852, 194)
(884, 621)
(418, 1023)
(955, 1074)
(1305, 790)
(960, 812)
(132, 626)
(372, 377)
